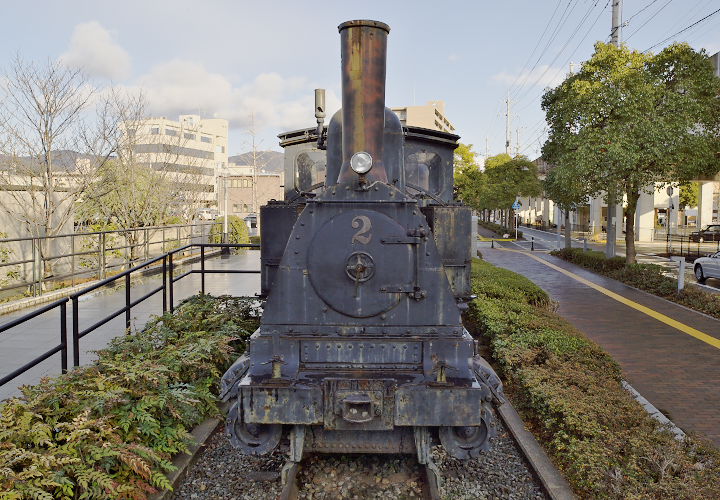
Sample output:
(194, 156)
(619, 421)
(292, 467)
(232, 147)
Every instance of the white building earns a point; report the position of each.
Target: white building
(194, 148)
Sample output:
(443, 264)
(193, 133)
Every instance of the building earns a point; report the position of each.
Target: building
(431, 115)
(247, 192)
(192, 149)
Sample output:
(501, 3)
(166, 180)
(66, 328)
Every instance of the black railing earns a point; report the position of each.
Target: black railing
(163, 264)
(689, 246)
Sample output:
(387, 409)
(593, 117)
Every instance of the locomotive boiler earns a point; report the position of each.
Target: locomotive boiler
(365, 271)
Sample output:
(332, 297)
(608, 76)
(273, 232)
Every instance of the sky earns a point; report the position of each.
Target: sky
(256, 63)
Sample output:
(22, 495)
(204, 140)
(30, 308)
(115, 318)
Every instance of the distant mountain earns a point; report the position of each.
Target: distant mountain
(270, 161)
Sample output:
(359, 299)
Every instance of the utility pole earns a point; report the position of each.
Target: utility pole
(517, 141)
(254, 159)
(612, 195)
(508, 133)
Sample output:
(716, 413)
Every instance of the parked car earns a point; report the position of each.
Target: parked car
(708, 233)
(207, 214)
(707, 267)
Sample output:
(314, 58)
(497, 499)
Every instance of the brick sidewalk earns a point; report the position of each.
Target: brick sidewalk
(677, 373)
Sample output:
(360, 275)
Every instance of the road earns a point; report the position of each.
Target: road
(27, 341)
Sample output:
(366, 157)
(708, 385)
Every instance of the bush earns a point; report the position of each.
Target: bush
(648, 277)
(237, 230)
(569, 392)
(255, 239)
(109, 430)
(500, 230)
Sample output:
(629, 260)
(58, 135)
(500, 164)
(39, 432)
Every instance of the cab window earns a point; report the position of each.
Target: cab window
(310, 169)
(422, 169)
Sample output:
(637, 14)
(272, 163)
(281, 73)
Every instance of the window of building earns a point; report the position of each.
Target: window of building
(188, 135)
(246, 183)
(171, 132)
(219, 149)
(155, 130)
(237, 208)
(204, 138)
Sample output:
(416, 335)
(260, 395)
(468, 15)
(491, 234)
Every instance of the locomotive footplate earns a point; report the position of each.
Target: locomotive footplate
(366, 404)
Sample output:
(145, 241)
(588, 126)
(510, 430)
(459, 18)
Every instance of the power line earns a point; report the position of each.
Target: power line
(683, 30)
(554, 34)
(547, 25)
(562, 49)
(648, 20)
(626, 23)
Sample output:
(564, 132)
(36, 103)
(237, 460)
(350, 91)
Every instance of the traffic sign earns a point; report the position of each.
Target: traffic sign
(516, 205)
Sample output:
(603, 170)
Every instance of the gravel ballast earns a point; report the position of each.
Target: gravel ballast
(222, 473)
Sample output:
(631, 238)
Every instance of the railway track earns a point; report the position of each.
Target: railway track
(511, 469)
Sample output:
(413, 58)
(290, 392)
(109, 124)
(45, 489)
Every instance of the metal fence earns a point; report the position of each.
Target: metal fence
(684, 246)
(69, 259)
(162, 264)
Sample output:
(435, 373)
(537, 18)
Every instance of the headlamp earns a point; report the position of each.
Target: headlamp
(361, 162)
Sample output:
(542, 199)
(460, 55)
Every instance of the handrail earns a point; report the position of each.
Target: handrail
(167, 289)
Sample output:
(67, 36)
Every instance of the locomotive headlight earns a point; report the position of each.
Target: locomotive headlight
(361, 162)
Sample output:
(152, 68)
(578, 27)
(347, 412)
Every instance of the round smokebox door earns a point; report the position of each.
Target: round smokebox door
(354, 269)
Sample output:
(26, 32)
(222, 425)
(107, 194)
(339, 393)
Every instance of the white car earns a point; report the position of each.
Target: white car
(707, 267)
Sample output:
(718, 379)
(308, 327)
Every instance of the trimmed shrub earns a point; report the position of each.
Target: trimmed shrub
(569, 392)
(237, 230)
(109, 430)
(650, 278)
(500, 230)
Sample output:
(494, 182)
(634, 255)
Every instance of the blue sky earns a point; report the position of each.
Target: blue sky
(234, 59)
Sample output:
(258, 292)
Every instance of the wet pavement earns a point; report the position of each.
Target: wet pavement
(676, 372)
(27, 341)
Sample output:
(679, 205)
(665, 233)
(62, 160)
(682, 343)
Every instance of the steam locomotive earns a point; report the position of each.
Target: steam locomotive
(365, 270)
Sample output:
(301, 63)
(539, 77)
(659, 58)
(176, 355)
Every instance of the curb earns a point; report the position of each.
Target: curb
(184, 461)
(554, 484)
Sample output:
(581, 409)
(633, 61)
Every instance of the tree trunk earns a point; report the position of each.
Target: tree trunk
(632, 199)
(568, 231)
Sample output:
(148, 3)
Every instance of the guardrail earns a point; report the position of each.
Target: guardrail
(164, 264)
(93, 254)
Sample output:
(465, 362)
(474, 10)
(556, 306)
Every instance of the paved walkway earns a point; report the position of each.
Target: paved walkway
(677, 372)
(27, 341)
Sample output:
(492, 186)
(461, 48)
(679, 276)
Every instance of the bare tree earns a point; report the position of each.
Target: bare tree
(148, 177)
(46, 164)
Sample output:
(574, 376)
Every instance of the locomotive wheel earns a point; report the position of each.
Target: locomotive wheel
(252, 439)
(465, 442)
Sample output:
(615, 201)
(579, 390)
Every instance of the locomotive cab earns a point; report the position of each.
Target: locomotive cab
(366, 268)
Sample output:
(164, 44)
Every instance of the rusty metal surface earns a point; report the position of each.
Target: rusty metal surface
(399, 440)
(363, 53)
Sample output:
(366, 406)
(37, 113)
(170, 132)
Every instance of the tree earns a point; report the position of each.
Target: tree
(628, 120)
(689, 194)
(131, 190)
(469, 179)
(567, 193)
(50, 147)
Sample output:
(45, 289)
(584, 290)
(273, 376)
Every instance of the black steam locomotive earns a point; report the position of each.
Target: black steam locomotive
(366, 269)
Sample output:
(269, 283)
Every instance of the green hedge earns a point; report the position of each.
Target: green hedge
(500, 230)
(648, 277)
(568, 390)
(109, 430)
(238, 232)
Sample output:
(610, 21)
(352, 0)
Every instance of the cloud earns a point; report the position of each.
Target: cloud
(93, 49)
(180, 86)
(543, 76)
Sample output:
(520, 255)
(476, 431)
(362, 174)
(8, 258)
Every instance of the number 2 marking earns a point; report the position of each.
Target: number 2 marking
(363, 235)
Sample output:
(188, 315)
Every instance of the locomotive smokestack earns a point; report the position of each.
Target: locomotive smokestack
(363, 49)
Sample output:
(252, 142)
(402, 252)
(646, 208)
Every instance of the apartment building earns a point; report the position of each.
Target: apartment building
(430, 115)
(192, 149)
(247, 192)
